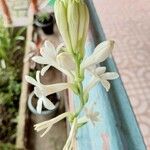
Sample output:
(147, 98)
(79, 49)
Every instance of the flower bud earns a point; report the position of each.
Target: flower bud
(61, 19)
(73, 22)
(83, 26)
(72, 18)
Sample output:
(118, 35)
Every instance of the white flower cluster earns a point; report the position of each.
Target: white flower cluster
(64, 62)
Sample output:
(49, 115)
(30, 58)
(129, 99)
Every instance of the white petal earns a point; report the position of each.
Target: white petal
(66, 61)
(48, 124)
(54, 88)
(44, 69)
(46, 131)
(100, 70)
(110, 75)
(91, 68)
(105, 84)
(49, 49)
(102, 51)
(38, 76)
(48, 104)
(31, 80)
(71, 135)
(39, 106)
(105, 46)
(40, 60)
(37, 92)
(66, 72)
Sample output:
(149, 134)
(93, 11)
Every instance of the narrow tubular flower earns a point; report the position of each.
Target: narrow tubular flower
(68, 145)
(60, 10)
(47, 125)
(101, 52)
(54, 88)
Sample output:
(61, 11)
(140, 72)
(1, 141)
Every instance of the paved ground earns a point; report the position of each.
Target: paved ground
(127, 22)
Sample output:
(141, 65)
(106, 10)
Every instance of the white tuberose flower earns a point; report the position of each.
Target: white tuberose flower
(47, 125)
(99, 75)
(41, 91)
(71, 138)
(101, 52)
(51, 57)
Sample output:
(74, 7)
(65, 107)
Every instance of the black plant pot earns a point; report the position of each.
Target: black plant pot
(47, 25)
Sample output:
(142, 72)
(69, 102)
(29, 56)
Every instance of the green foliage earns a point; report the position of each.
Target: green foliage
(43, 17)
(10, 85)
(8, 146)
(4, 40)
(9, 40)
(12, 43)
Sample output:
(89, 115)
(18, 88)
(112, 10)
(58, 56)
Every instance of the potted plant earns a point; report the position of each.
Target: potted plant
(45, 21)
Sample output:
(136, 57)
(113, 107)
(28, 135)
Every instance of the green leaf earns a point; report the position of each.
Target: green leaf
(19, 38)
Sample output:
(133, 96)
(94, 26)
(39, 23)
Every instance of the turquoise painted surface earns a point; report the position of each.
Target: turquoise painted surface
(118, 128)
(51, 2)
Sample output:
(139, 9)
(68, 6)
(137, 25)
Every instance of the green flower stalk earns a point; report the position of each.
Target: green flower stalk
(72, 17)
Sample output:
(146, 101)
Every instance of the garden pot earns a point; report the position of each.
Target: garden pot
(32, 100)
(46, 25)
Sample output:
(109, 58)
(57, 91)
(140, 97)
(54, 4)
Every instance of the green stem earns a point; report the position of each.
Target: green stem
(79, 80)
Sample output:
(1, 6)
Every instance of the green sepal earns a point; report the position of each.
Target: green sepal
(86, 97)
(75, 89)
(81, 124)
(71, 117)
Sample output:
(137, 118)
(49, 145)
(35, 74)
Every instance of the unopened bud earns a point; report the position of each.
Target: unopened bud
(72, 17)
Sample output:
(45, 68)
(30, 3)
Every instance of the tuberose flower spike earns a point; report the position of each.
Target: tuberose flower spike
(72, 18)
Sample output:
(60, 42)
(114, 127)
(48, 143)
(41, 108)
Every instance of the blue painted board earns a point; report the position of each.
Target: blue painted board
(118, 128)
